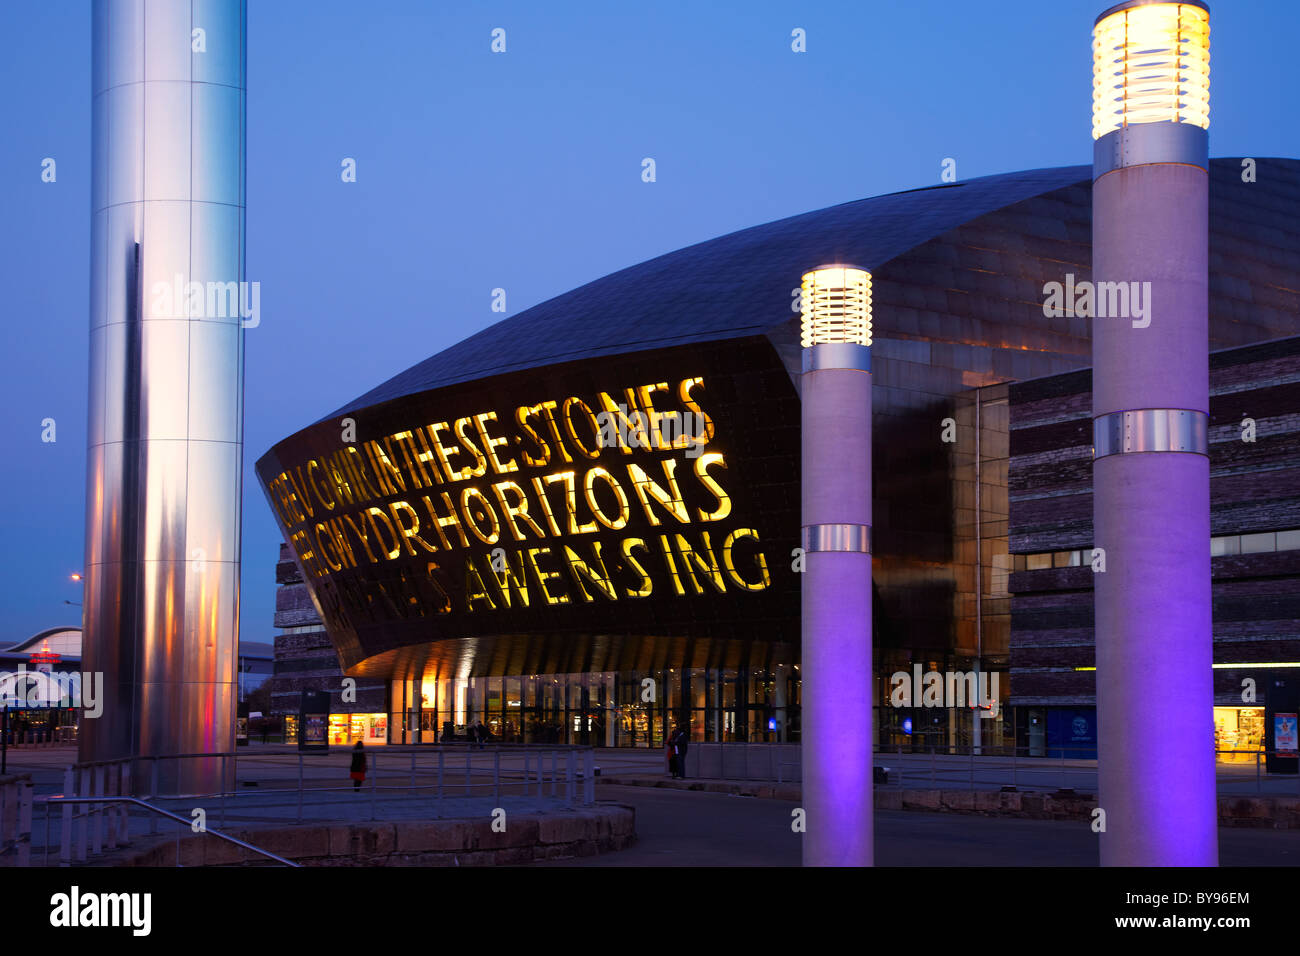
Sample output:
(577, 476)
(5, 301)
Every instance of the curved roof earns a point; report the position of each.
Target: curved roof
(63, 640)
(722, 288)
(736, 285)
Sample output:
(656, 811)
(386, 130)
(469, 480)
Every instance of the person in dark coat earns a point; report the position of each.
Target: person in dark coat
(358, 765)
(677, 743)
(481, 734)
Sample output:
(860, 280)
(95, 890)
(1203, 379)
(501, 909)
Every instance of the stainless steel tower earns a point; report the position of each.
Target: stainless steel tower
(166, 382)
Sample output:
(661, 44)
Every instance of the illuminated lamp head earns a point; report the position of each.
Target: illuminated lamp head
(1150, 64)
(836, 306)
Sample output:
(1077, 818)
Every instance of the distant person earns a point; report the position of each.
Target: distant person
(358, 765)
(481, 734)
(678, 742)
(448, 731)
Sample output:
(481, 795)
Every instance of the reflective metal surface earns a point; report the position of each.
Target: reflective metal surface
(1151, 429)
(1144, 143)
(837, 355)
(837, 537)
(166, 381)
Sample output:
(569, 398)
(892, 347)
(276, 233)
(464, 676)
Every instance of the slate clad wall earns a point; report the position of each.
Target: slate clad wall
(1254, 487)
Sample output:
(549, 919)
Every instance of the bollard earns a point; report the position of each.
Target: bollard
(65, 837)
(374, 783)
(153, 795)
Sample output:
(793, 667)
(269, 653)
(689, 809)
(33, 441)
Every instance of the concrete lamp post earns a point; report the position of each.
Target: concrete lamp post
(836, 485)
(1151, 469)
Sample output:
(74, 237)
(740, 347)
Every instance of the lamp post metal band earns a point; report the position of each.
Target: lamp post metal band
(1151, 429)
(848, 355)
(1140, 144)
(854, 538)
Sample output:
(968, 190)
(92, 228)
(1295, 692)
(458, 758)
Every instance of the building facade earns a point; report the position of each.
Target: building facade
(582, 522)
(1255, 549)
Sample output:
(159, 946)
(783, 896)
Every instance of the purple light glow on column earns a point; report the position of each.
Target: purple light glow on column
(1151, 478)
(836, 653)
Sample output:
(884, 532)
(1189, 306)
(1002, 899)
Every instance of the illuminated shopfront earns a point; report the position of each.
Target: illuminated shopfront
(1238, 733)
(349, 728)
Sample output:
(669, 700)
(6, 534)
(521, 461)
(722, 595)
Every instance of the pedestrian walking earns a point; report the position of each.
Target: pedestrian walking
(358, 765)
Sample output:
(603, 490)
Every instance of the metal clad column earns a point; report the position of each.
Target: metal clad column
(1151, 477)
(836, 692)
(166, 382)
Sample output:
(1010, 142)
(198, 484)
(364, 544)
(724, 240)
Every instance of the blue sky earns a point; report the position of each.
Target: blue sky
(522, 171)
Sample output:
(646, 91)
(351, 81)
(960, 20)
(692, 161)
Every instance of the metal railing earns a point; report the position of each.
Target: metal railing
(445, 772)
(947, 765)
(16, 819)
(65, 844)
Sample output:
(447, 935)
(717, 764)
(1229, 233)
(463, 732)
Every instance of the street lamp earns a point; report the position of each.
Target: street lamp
(835, 390)
(1151, 477)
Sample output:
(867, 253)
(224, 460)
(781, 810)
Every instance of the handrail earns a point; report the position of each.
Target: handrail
(179, 819)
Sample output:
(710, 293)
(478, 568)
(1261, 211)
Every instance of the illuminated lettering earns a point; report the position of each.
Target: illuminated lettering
(471, 519)
(612, 482)
(760, 562)
(451, 520)
(376, 515)
(475, 588)
(581, 570)
(445, 606)
(300, 495)
(566, 417)
(646, 585)
(684, 395)
(467, 443)
(413, 532)
(329, 555)
(319, 487)
(490, 444)
(549, 409)
(355, 463)
(387, 474)
(364, 538)
(545, 576)
(338, 472)
(652, 417)
(522, 414)
(518, 510)
(443, 451)
(546, 505)
(306, 556)
(670, 499)
(410, 457)
(709, 568)
(724, 500)
(672, 564)
(512, 579)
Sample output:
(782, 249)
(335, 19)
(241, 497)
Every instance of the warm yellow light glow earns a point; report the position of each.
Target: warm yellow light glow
(1151, 64)
(836, 306)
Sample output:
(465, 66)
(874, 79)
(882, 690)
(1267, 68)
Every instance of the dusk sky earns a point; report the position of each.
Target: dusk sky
(521, 171)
